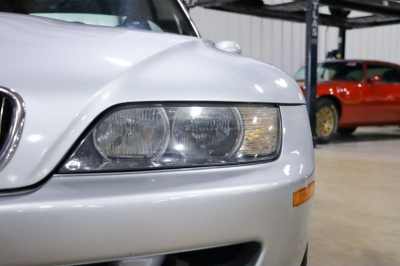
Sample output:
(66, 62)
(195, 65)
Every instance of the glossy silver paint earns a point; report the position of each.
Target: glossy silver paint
(113, 216)
(67, 74)
(17, 124)
(95, 68)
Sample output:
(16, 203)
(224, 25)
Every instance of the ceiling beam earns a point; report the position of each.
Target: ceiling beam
(295, 11)
(265, 11)
(381, 7)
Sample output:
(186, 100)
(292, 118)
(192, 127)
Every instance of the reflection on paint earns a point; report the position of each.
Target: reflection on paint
(259, 88)
(281, 82)
(35, 138)
(118, 61)
(286, 170)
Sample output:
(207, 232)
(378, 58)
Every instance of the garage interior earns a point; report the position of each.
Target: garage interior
(356, 215)
(160, 149)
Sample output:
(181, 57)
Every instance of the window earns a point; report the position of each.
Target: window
(342, 70)
(301, 74)
(388, 73)
(336, 70)
(155, 15)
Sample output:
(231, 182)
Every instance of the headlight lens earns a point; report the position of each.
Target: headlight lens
(135, 138)
(199, 132)
(133, 133)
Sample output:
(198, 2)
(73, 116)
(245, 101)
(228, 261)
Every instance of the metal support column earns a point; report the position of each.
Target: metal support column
(342, 44)
(311, 64)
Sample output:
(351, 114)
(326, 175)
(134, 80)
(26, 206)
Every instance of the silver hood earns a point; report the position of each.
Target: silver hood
(68, 73)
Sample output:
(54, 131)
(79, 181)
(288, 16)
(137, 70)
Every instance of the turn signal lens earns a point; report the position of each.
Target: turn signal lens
(261, 131)
(304, 194)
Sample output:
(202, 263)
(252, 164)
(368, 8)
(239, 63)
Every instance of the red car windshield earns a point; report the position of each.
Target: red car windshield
(155, 15)
(343, 70)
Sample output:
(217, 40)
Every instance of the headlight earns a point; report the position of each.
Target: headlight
(143, 137)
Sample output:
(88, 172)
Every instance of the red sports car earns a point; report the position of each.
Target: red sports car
(354, 93)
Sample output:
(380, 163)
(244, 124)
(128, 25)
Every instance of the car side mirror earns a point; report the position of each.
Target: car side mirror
(375, 79)
(229, 46)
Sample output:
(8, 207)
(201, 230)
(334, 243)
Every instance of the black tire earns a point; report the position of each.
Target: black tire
(327, 120)
(304, 261)
(346, 130)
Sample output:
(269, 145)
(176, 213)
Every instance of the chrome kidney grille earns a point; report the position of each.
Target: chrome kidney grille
(12, 115)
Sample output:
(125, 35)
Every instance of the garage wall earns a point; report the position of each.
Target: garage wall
(380, 43)
(282, 43)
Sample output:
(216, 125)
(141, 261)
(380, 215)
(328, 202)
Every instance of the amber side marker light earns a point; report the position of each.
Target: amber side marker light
(303, 194)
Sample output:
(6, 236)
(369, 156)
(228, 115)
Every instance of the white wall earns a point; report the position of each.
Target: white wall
(381, 43)
(282, 43)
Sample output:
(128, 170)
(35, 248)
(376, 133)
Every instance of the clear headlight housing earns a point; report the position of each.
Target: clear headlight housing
(172, 136)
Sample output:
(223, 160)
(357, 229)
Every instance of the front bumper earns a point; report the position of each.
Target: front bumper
(89, 218)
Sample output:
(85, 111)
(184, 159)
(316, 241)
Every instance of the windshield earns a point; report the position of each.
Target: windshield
(335, 71)
(155, 15)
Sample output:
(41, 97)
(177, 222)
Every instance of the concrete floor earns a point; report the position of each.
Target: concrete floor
(356, 216)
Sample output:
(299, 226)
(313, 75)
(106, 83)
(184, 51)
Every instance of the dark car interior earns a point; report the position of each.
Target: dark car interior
(388, 73)
(342, 71)
(156, 15)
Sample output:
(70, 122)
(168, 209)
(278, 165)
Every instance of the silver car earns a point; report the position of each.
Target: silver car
(125, 139)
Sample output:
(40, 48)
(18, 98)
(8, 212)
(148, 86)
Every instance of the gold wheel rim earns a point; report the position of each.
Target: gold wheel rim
(325, 121)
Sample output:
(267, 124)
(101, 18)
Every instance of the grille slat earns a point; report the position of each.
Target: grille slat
(5, 120)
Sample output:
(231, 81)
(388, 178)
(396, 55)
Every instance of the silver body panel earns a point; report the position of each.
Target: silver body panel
(83, 218)
(57, 63)
(67, 74)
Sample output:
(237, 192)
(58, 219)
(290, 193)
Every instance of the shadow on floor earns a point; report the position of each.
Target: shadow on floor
(366, 136)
